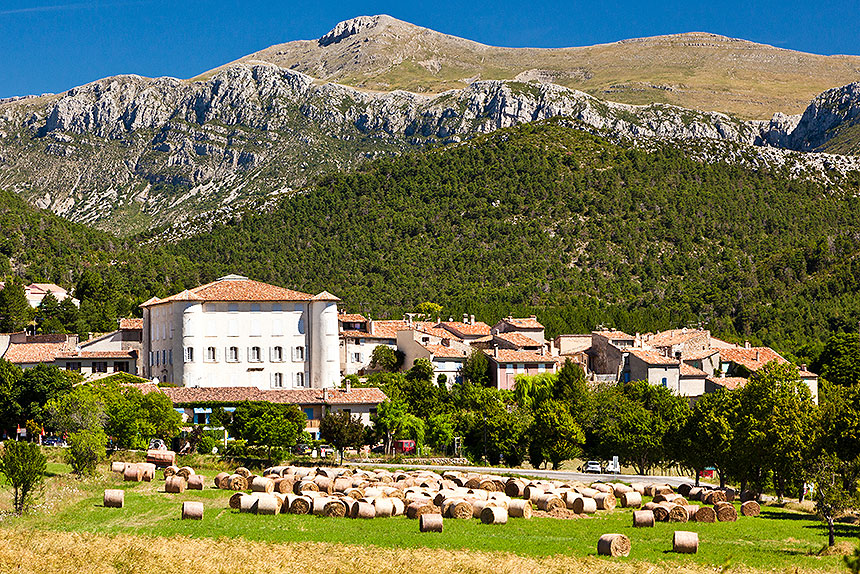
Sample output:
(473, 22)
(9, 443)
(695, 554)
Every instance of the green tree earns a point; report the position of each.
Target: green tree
(15, 310)
(838, 431)
(10, 390)
(39, 385)
(476, 369)
(48, 315)
(831, 498)
(839, 362)
(440, 432)
(412, 427)
(268, 425)
(389, 419)
(495, 428)
(555, 435)
(23, 466)
(709, 434)
(86, 449)
(422, 370)
(342, 431)
(80, 409)
(385, 358)
(428, 310)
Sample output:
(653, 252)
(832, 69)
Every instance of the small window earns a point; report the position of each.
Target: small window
(100, 366)
(509, 368)
(73, 366)
(356, 357)
(277, 354)
(120, 367)
(278, 380)
(211, 354)
(665, 382)
(300, 379)
(170, 356)
(189, 354)
(254, 355)
(299, 354)
(301, 326)
(233, 354)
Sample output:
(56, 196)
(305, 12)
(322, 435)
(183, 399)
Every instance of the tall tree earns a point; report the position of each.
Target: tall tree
(555, 435)
(342, 431)
(708, 434)
(15, 310)
(476, 369)
(839, 362)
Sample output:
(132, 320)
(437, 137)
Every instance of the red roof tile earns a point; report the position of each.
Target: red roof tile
(387, 329)
(26, 353)
(443, 352)
(524, 323)
(351, 318)
(653, 357)
(730, 383)
(355, 396)
(235, 288)
(673, 337)
(691, 371)
(128, 354)
(698, 355)
(753, 358)
(518, 339)
(131, 324)
(613, 335)
(476, 329)
(512, 356)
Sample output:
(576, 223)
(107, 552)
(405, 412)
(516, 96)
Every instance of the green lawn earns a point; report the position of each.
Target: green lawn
(778, 539)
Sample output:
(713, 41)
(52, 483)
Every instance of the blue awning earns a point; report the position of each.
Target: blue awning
(202, 411)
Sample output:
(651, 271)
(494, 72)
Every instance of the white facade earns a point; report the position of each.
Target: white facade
(269, 343)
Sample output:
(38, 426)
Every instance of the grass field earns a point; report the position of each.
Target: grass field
(72, 522)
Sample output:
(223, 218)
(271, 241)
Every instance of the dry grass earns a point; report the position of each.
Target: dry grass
(50, 552)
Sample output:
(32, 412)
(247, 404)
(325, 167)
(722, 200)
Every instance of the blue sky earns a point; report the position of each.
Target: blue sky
(52, 46)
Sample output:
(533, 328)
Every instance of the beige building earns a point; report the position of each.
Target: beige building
(236, 332)
(506, 364)
(445, 352)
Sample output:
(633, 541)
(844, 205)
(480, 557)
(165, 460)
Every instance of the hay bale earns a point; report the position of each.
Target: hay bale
(185, 472)
(613, 545)
(267, 505)
(457, 508)
(731, 493)
(695, 493)
(399, 507)
(363, 510)
(283, 485)
(356, 492)
(161, 457)
(478, 506)
(175, 484)
(114, 498)
(631, 499)
(248, 503)
(588, 492)
(242, 471)
(301, 505)
(235, 500)
(234, 482)
(421, 507)
(494, 515)
(747, 495)
(262, 484)
(147, 471)
(196, 482)
(548, 502)
(192, 510)
(520, 509)
(219, 477)
(117, 466)
(384, 507)
(691, 509)
(750, 508)
(713, 496)
(489, 485)
(532, 491)
(638, 487)
(569, 497)
(585, 505)
(677, 513)
(618, 489)
(684, 489)
(685, 542)
(132, 472)
(726, 512)
(661, 513)
(335, 508)
(430, 523)
(643, 518)
(705, 514)
(605, 501)
(306, 486)
(515, 487)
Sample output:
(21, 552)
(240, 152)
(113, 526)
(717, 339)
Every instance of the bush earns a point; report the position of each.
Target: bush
(86, 450)
(206, 444)
(23, 465)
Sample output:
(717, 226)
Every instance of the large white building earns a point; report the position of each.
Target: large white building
(235, 332)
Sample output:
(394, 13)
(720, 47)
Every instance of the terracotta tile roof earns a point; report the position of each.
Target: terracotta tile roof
(512, 356)
(359, 335)
(388, 329)
(185, 395)
(443, 352)
(26, 353)
(235, 288)
(131, 324)
(653, 357)
(753, 358)
(128, 354)
(698, 355)
(323, 296)
(804, 374)
(691, 371)
(351, 318)
(476, 329)
(673, 337)
(441, 333)
(518, 339)
(45, 288)
(524, 323)
(615, 335)
(730, 383)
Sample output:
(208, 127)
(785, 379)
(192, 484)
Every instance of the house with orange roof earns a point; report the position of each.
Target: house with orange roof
(607, 352)
(528, 326)
(357, 344)
(676, 342)
(743, 361)
(237, 332)
(506, 364)
(445, 352)
(575, 347)
(468, 329)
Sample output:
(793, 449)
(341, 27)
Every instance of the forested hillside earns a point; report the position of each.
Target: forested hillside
(541, 218)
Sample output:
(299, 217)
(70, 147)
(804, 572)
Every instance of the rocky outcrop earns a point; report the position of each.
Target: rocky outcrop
(828, 114)
(349, 28)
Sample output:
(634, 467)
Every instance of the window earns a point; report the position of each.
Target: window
(233, 354)
(509, 368)
(541, 368)
(665, 382)
(298, 353)
(277, 354)
(151, 359)
(277, 380)
(301, 326)
(309, 412)
(300, 379)
(521, 368)
(356, 357)
(170, 356)
(120, 367)
(211, 354)
(75, 366)
(100, 366)
(189, 354)
(254, 355)
(232, 327)
(164, 356)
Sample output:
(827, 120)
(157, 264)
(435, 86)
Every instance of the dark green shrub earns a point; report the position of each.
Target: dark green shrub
(23, 465)
(86, 450)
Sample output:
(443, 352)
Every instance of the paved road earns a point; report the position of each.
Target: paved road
(563, 475)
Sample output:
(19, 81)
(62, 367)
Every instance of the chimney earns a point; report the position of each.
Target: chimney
(541, 351)
(803, 367)
(466, 318)
(325, 395)
(495, 350)
(746, 344)
(756, 355)
(450, 319)
(348, 386)
(471, 319)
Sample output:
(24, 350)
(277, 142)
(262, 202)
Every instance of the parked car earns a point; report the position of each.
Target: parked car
(302, 450)
(404, 446)
(592, 466)
(53, 441)
(378, 449)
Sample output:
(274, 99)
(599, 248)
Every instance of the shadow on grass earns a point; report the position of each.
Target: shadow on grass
(785, 515)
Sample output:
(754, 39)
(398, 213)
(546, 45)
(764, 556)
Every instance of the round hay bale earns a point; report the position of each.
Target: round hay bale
(335, 509)
(569, 497)
(716, 496)
(282, 499)
(132, 473)
(117, 466)
(638, 487)
(631, 499)
(691, 509)
(185, 472)
(695, 493)
(114, 498)
(430, 523)
(234, 482)
(488, 484)
(318, 505)
(341, 484)
(705, 514)
(494, 515)
(242, 471)
(588, 492)
(750, 508)
(601, 487)
(661, 513)
(457, 508)
(520, 509)
(219, 477)
(147, 471)
(283, 485)
(685, 542)
(306, 486)
(731, 493)
(363, 510)
(420, 508)
(605, 501)
(355, 492)
(248, 503)
(613, 545)
(170, 470)
(618, 489)
(677, 513)
(532, 491)
(650, 506)
(473, 482)
(643, 518)
(584, 505)
(478, 506)
(384, 507)
(515, 487)
(196, 482)
(399, 507)
(175, 484)
(726, 512)
(748, 495)
(685, 488)
(262, 484)
(192, 510)
(547, 502)
(301, 505)
(235, 500)
(267, 505)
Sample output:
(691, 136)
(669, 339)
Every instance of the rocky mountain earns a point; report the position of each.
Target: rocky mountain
(129, 153)
(695, 70)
